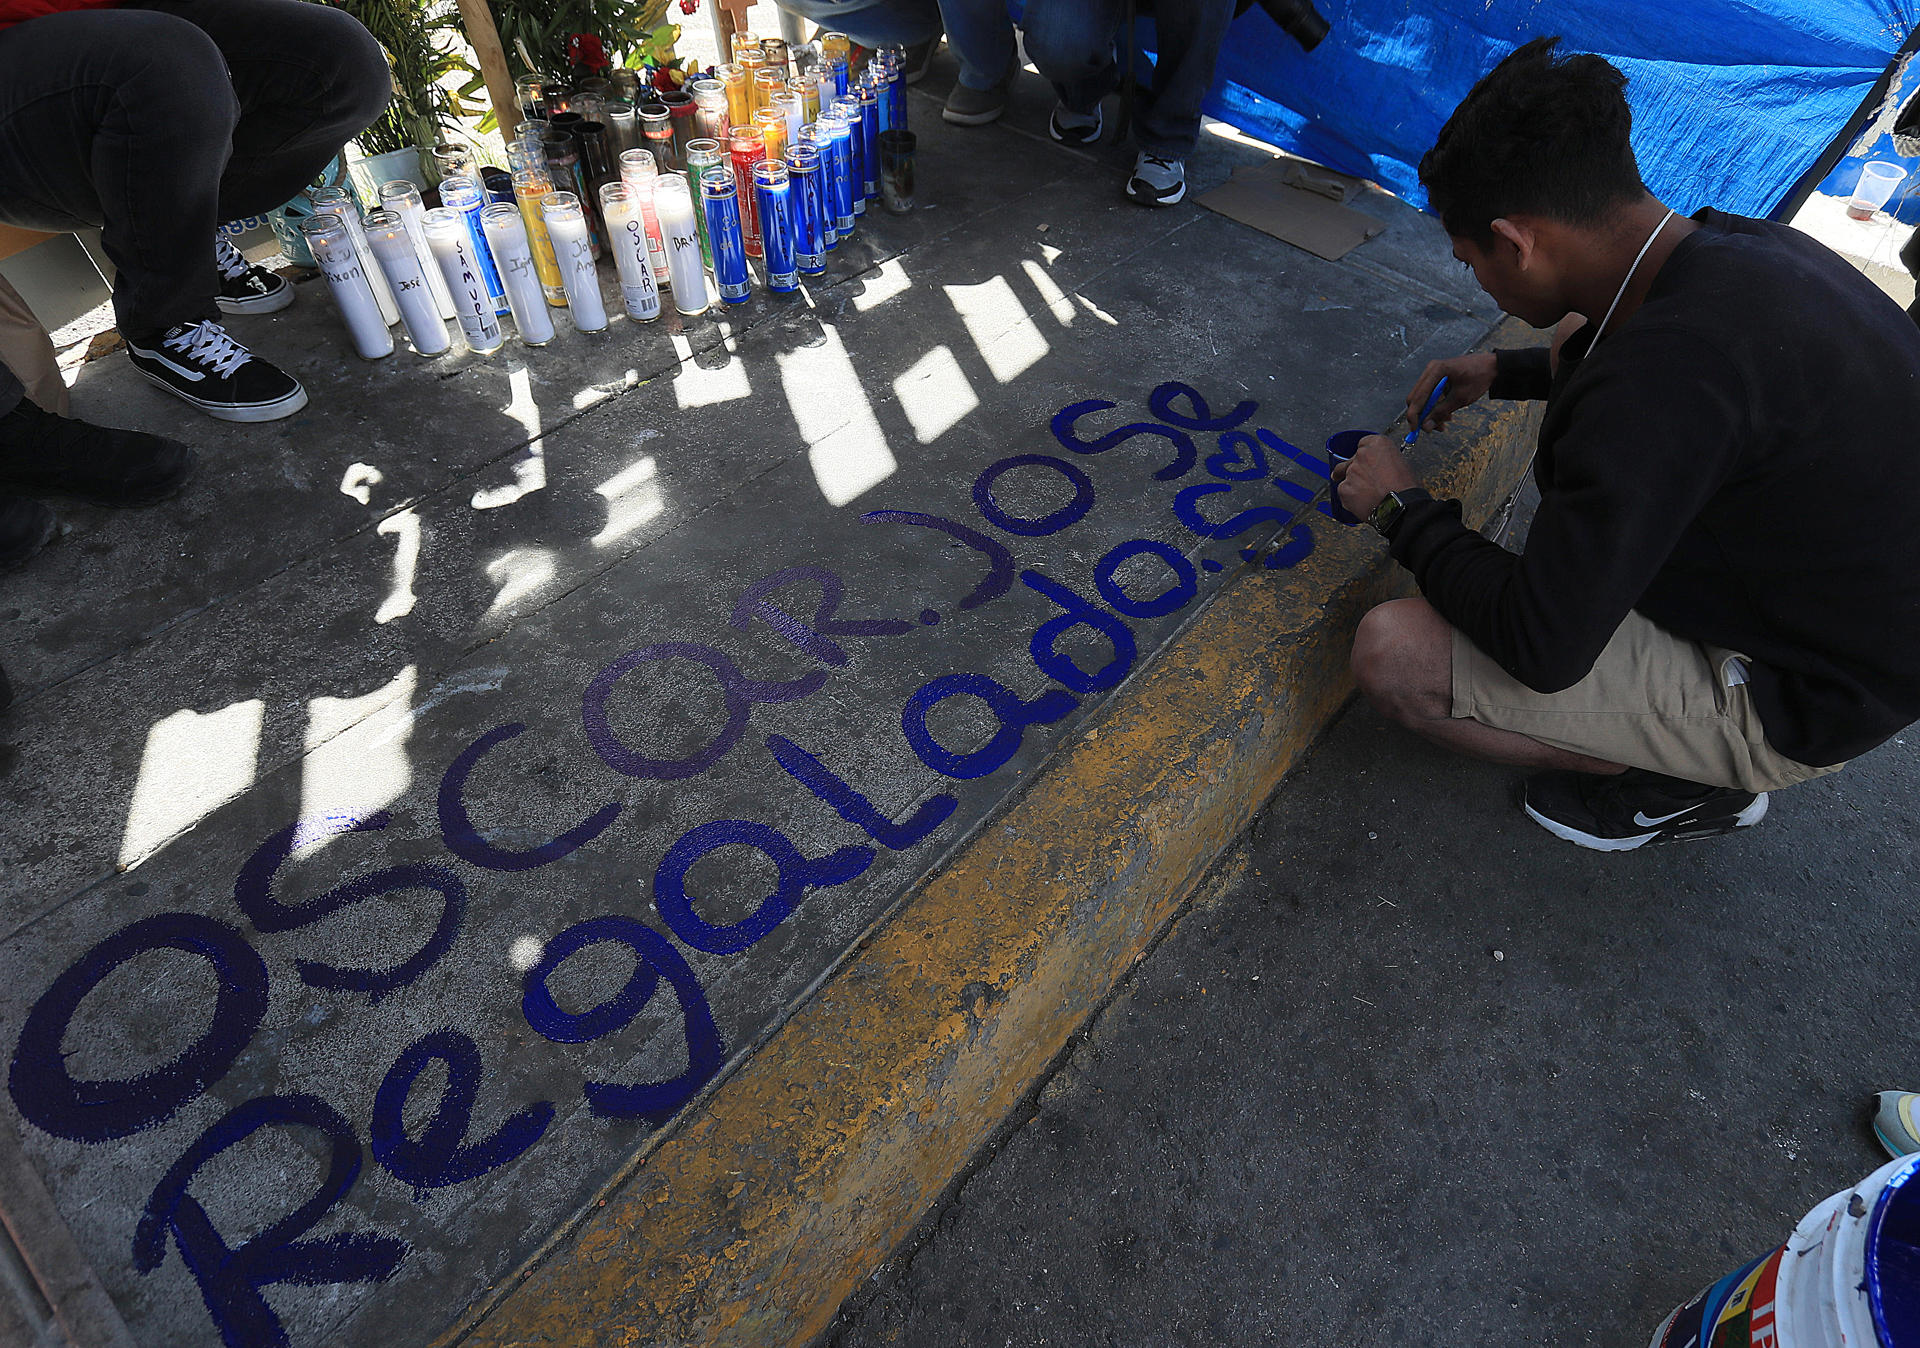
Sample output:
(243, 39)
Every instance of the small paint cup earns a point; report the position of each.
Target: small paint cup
(1341, 447)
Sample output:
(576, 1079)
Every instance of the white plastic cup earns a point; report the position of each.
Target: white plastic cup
(1875, 189)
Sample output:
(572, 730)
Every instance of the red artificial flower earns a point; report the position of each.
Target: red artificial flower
(689, 6)
(587, 52)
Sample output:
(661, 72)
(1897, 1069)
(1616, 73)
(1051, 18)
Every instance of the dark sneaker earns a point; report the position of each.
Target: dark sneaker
(975, 107)
(25, 527)
(1618, 814)
(202, 364)
(41, 453)
(1075, 128)
(1157, 181)
(245, 288)
(920, 59)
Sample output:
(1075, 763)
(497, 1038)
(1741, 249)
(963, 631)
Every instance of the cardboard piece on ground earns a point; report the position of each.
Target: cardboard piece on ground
(1304, 219)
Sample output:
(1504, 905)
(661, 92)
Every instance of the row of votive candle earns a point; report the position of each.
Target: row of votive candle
(785, 188)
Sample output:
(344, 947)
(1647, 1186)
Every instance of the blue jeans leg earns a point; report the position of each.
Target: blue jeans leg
(1070, 42)
(980, 34)
(1190, 33)
(873, 23)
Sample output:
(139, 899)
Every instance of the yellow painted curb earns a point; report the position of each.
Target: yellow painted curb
(749, 1221)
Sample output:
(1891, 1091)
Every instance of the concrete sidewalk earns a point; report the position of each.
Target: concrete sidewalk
(860, 667)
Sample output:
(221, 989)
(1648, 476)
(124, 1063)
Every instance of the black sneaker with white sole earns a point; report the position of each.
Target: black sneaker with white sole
(200, 363)
(44, 454)
(1157, 181)
(1636, 807)
(245, 288)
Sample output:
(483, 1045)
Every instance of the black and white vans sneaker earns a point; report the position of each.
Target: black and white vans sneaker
(1157, 181)
(245, 288)
(200, 363)
(1618, 814)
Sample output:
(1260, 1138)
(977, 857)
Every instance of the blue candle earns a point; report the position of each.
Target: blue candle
(840, 148)
(774, 194)
(464, 196)
(870, 137)
(809, 209)
(722, 201)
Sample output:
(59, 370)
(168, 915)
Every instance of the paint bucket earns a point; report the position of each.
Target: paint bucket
(1341, 447)
(1848, 1277)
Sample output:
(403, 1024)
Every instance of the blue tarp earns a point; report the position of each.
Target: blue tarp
(1733, 100)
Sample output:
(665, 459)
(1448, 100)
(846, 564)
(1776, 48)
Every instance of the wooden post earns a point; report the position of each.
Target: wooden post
(729, 17)
(484, 37)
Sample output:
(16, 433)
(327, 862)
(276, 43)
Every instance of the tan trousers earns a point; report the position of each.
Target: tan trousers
(27, 351)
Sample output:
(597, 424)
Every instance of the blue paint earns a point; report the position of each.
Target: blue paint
(1064, 430)
(1200, 418)
(1295, 491)
(253, 893)
(231, 1276)
(814, 639)
(1893, 1259)
(1050, 523)
(1208, 564)
(855, 808)
(1186, 509)
(999, 577)
(1186, 583)
(1317, 466)
(654, 959)
(1013, 713)
(1241, 459)
(381, 983)
(99, 1111)
(1297, 548)
(740, 692)
(442, 1155)
(464, 840)
(798, 873)
(1045, 644)
(928, 617)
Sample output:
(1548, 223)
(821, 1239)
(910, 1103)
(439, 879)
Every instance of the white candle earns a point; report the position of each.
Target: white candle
(513, 254)
(333, 249)
(627, 236)
(402, 197)
(452, 247)
(336, 201)
(638, 170)
(673, 203)
(567, 227)
(393, 250)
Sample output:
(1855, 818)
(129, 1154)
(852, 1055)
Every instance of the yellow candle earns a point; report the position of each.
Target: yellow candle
(753, 64)
(739, 94)
(773, 129)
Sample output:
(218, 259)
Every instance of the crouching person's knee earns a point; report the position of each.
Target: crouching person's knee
(1401, 659)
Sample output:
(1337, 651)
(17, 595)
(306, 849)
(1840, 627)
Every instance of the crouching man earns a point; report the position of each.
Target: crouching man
(1720, 592)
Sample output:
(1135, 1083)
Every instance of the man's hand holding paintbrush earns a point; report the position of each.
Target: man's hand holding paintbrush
(1379, 465)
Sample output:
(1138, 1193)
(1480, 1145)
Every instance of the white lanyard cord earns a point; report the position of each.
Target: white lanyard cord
(1621, 293)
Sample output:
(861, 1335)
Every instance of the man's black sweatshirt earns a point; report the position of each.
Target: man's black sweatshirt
(1740, 462)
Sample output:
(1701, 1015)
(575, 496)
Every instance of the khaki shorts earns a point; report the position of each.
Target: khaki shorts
(1652, 700)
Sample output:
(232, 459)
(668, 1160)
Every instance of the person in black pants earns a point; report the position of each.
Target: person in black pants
(1719, 595)
(154, 121)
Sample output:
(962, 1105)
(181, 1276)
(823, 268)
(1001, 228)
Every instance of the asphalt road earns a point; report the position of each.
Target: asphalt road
(1414, 1072)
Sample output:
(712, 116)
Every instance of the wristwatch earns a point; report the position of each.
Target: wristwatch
(1386, 516)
